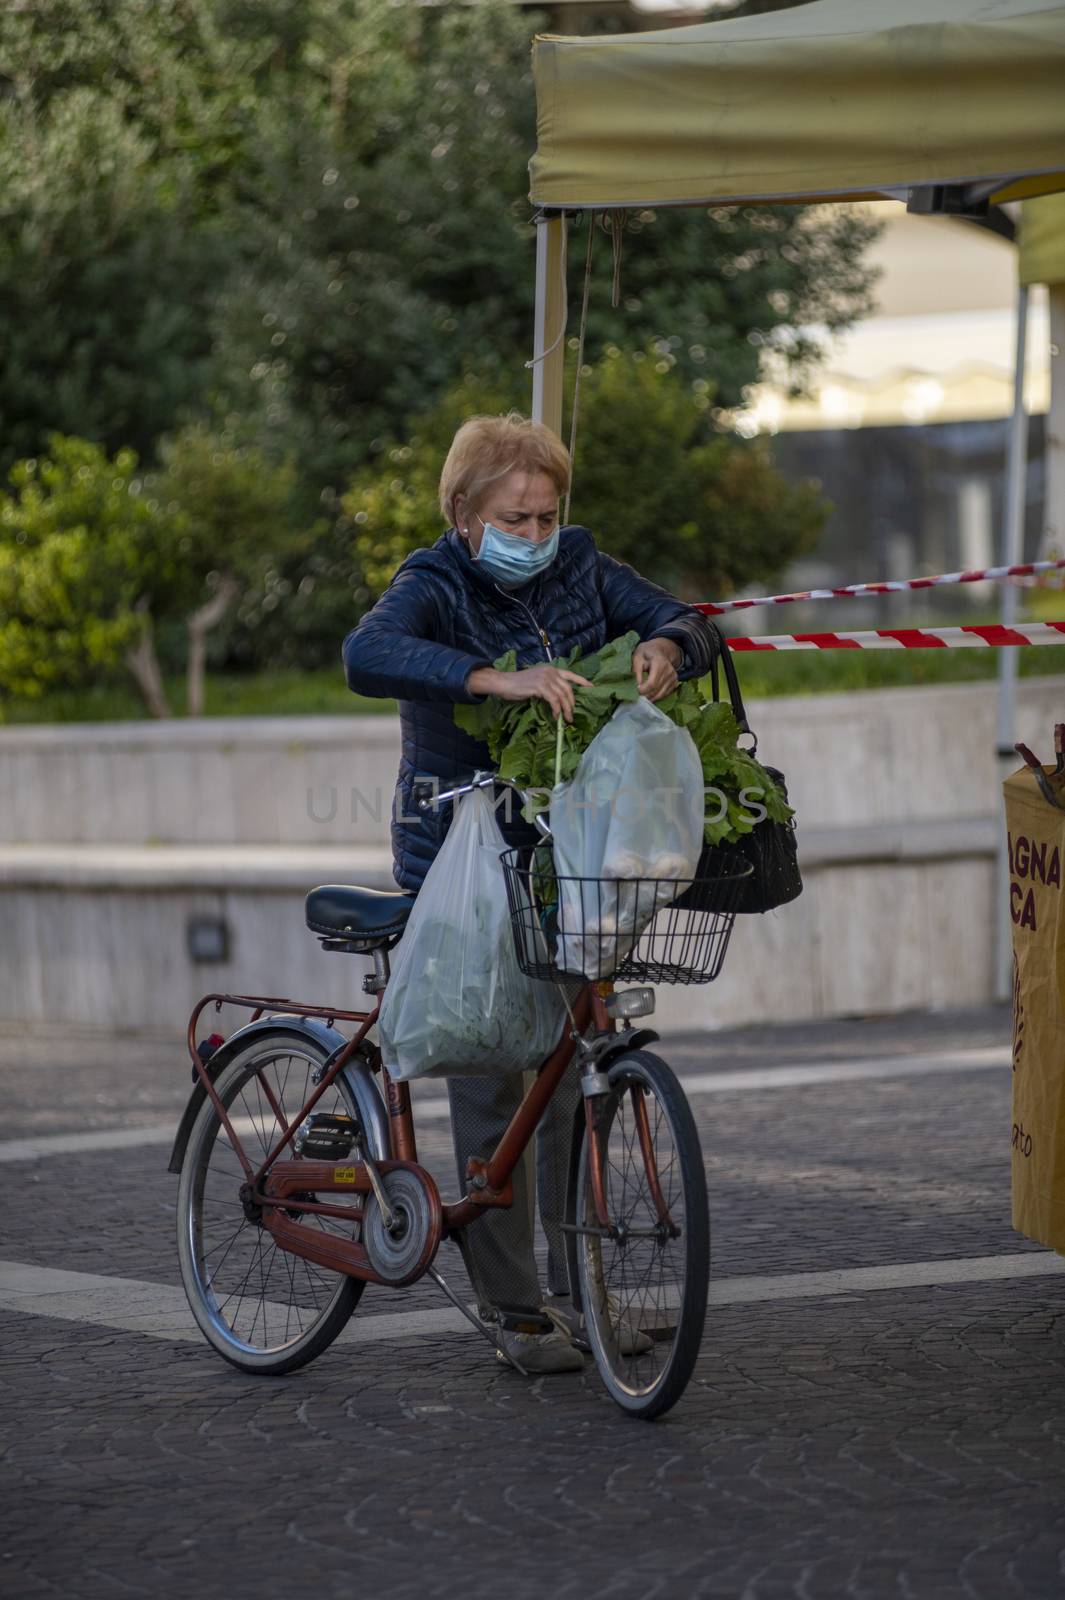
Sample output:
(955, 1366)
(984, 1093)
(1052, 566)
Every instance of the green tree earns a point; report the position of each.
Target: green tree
(660, 485)
(84, 560)
(306, 219)
(389, 249)
(235, 513)
(387, 240)
(103, 286)
(126, 134)
(393, 506)
(654, 470)
(724, 289)
(97, 562)
(299, 224)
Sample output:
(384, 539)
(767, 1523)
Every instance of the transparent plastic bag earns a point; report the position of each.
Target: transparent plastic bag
(632, 810)
(457, 1001)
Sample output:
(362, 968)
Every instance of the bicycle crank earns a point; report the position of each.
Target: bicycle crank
(401, 1249)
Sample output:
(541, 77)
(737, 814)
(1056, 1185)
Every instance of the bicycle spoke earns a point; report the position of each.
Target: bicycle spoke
(228, 1245)
(239, 1290)
(253, 1304)
(639, 1294)
(293, 1304)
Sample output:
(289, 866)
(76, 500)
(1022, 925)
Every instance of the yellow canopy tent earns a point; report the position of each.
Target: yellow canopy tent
(839, 99)
(955, 105)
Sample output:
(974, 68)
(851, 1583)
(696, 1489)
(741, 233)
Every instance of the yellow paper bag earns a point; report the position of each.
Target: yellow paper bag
(1035, 828)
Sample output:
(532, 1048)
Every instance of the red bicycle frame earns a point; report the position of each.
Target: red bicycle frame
(277, 1186)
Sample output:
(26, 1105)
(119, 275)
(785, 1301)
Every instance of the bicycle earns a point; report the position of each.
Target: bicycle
(299, 1177)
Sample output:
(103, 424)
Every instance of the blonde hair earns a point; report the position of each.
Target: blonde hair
(487, 448)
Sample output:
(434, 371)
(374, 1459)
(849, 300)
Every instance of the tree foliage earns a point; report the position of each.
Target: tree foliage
(103, 282)
(663, 483)
(304, 219)
(97, 561)
(233, 514)
(83, 558)
(295, 225)
(232, 510)
(660, 485)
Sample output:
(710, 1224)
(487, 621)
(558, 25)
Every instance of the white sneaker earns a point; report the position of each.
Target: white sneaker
(632, 1341)
(539, 1353)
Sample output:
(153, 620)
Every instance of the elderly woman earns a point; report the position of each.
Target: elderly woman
(505, 576)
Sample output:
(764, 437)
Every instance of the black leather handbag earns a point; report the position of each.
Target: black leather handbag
(770, 847)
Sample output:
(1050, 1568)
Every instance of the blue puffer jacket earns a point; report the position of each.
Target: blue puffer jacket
(442, 616)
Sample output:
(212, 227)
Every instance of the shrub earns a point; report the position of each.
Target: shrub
(84, 558)
(653, 472)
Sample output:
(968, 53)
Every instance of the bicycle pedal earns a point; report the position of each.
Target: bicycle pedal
(326, 1136)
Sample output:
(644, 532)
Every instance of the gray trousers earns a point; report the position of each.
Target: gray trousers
(498, 1247)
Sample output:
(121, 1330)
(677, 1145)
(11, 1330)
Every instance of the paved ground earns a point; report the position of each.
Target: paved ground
(866, 1437)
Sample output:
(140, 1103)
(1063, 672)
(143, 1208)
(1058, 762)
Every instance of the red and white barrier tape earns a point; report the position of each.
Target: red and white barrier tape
(1028, 569)
(907, 638)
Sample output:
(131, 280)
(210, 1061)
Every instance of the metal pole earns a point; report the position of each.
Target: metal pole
(1054, 449)
(1012, 553)
(539, 321)
(549, 352)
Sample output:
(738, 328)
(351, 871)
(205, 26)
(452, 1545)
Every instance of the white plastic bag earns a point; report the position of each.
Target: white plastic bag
(632, 810)
(457, 1001)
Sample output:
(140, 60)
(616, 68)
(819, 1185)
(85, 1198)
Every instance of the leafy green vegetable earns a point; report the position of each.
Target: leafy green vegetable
(522, 736)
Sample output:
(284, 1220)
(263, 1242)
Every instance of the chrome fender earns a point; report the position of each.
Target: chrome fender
(357, 1075)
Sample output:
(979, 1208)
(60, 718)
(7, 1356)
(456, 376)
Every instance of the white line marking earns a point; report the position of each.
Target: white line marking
(988, 1058)
(61, 1144)
(435, 1107)
(161, 1312)
(901, 1275)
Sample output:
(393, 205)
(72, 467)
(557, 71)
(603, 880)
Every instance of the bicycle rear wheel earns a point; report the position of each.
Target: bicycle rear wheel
(262, 1308)
(647, 1273)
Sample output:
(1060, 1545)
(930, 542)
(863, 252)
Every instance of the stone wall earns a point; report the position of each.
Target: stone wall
(114, 835)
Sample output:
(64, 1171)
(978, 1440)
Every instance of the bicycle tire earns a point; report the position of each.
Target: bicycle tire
(630, 1270)
(337, 1295)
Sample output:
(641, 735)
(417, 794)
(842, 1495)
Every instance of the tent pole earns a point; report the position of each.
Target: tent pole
(1053, 540)
(549, 348)
(1012, 553)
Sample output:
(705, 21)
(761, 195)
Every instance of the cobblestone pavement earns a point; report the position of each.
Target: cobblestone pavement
(898, 1443)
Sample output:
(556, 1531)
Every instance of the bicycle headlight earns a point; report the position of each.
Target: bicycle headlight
(631, 1003)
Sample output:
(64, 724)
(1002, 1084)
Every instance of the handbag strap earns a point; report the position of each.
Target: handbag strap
(722, 653)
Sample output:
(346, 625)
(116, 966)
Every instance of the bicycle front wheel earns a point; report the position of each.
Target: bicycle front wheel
(643, 1270)
(262, 1308)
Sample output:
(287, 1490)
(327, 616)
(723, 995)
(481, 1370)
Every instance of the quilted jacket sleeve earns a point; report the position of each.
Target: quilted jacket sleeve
(631, 601)
(394, 649)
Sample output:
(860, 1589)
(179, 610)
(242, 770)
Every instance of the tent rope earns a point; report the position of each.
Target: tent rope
(619, 221)
(580, 361)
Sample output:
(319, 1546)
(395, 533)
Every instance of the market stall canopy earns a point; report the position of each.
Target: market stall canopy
(1042, 239)
(831, 100)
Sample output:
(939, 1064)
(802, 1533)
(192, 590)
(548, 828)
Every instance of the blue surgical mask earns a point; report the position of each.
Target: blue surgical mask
(512, 560)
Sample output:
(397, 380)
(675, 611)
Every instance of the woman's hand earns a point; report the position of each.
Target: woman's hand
(655, 664)
(553, 684)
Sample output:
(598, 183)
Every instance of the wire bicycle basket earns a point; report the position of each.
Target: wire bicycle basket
(656, 930)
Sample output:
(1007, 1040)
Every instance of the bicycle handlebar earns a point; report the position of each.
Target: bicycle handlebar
(480, 780)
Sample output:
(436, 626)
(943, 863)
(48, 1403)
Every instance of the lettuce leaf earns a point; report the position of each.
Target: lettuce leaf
(522, 735)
